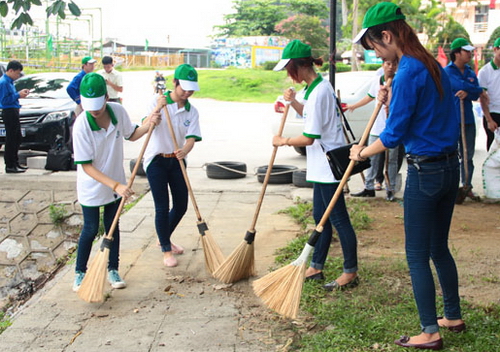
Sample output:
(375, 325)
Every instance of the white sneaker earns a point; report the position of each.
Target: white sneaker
(115, 280)
(78, 280)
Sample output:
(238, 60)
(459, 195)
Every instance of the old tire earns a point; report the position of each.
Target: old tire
(280, 174)
(226, 170)
(299, 179)
(140, 170)
(300, 150)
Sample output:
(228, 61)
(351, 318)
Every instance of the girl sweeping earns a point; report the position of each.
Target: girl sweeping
(422, 116)
(98, 135)
(161, 159)
(322, 131)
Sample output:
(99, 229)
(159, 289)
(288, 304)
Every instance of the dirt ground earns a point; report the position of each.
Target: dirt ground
(474, 243)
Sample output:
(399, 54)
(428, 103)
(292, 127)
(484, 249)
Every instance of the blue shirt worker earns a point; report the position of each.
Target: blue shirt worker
(422, 116)
(73, 88)
(9, 103)
(465, 87)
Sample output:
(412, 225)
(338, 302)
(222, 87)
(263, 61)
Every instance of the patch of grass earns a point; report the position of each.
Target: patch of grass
(57, 213)
(301, 212)
(372, 316)
(4, 322)
(242, 85)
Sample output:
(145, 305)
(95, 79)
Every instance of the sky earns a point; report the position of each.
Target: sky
(184, 23)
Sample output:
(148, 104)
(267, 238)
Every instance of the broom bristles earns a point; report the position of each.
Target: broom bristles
(281, 290)
(92, 288)
(239, 265)
(212, 252)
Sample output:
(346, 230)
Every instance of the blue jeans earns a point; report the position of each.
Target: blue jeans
(89, 231)
(470, 139)
(429, 200)
(339, 217)
(164, 173)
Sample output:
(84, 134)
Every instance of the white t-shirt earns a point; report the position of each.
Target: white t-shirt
(379, 124)
(489, 78)
(323, 124)
(104, 150)
(185, 122)
(114, 77)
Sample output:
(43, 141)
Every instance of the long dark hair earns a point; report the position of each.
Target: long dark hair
(293, 65)
(408, 41)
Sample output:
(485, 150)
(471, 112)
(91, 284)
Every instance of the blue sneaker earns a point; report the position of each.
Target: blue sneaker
(115, 280)
(78, 280)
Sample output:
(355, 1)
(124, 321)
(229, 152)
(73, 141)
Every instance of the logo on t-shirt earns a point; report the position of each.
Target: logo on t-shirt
(187, 123)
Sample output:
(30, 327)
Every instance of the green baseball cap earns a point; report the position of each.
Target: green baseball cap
(187, 76)
(88, 60)
(461, 43)
(381, 13)
(93, 91)
(294, 50)
(497, 43)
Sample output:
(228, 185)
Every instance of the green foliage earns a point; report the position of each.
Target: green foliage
(309, 30)
(57, 213)
(450, 32)
(244, 85)
(316, 8)
(371, 316)
(269, 65)
(4, 322)
(301, 212)
(252, 18)
(370, 67)
(340, 67)
(23, 7)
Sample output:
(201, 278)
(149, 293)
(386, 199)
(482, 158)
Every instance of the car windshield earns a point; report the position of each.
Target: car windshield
(349, 83)
(42, 87)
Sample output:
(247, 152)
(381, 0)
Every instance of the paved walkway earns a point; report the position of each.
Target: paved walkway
(163, 309)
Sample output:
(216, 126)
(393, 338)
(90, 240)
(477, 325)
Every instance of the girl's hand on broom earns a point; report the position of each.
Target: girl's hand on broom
(124, 190)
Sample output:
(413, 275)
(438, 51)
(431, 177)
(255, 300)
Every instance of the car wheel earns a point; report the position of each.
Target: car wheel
(300, 150)
(140, 170)
(280, 174)
(226, 170)
(299, 179)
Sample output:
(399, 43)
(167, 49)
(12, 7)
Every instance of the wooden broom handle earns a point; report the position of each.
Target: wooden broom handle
(130, 182)
(269, 169)
(183, 167)
(340, 188)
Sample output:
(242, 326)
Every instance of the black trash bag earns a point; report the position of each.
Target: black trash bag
(338, 159)
(59, 157)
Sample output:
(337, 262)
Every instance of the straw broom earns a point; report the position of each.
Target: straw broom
(92, 288)
(213, 254)
(281, 290)
(241, 263)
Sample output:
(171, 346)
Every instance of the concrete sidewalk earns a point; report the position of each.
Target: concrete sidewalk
(165, 309)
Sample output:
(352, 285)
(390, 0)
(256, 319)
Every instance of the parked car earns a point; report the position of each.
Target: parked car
(46, 112)
(3, 68)
(353, 86)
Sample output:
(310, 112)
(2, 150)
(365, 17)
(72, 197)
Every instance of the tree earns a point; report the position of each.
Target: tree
(316, 8)
(257, 17)
(308, 29)
(450, 32)
(22, 8)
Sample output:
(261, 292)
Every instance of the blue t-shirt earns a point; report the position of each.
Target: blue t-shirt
(73, 88)
(9, 97)
(467, 82)
(424, 122)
